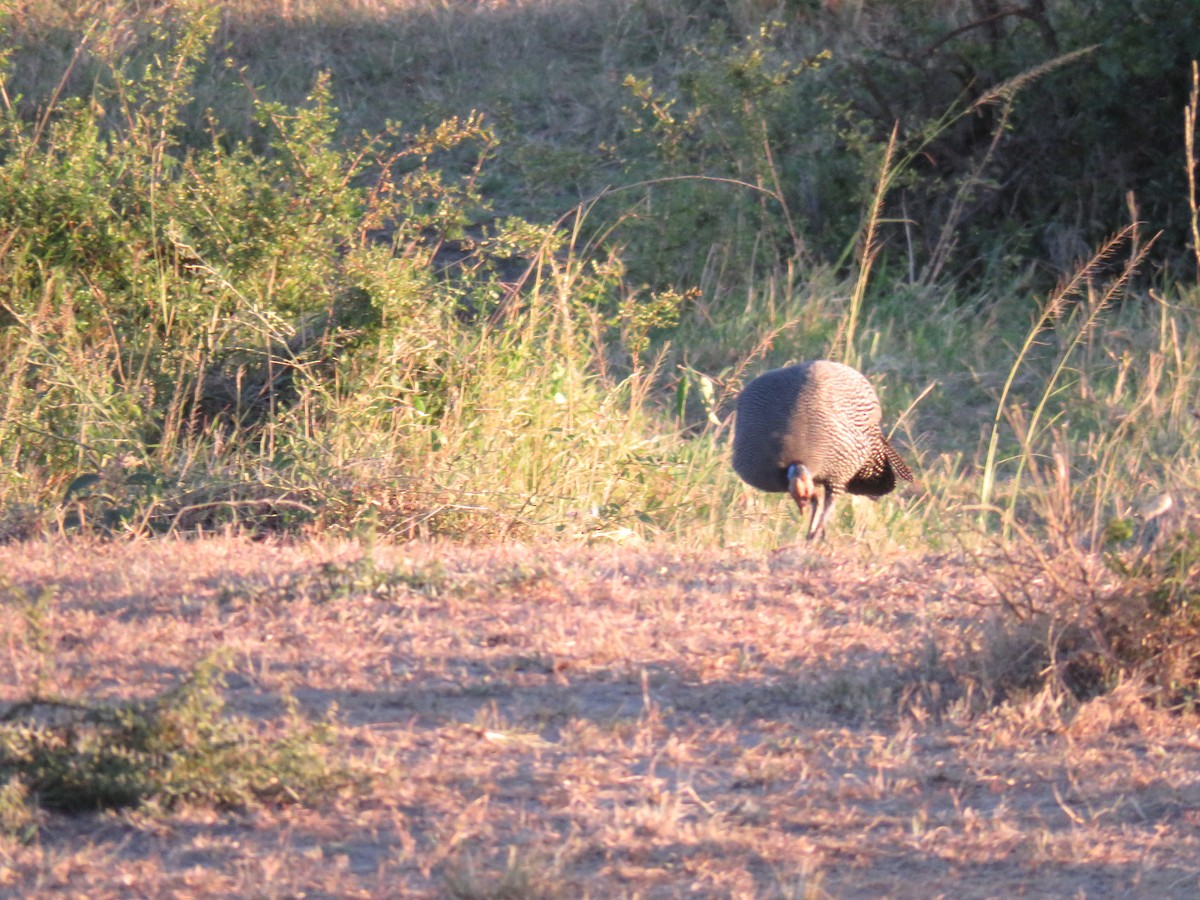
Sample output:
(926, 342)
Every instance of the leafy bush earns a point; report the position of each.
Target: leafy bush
(1055, 172)
(732, 142)
(176, 748)
(1024, 131)
(289, 329)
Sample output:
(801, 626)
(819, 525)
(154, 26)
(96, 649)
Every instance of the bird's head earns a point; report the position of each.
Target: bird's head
(800, 484)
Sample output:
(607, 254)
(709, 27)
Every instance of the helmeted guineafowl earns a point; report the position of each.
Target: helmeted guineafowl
(812, 430)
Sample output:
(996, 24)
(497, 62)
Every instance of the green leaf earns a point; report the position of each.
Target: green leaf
(80, 485)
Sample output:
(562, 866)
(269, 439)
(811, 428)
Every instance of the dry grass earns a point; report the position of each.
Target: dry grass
(571, 721)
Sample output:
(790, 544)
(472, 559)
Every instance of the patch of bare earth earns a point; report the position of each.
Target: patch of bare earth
(604, 722)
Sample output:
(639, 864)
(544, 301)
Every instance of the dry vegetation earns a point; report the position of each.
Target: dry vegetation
(366, 522)
(571, 721)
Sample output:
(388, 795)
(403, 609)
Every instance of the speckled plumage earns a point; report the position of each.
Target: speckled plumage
(820, 418)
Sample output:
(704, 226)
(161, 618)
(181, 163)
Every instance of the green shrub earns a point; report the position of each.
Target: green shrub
(178, 747)
(291, 328)
(732, 141)
(1055, 173)
(253, 314)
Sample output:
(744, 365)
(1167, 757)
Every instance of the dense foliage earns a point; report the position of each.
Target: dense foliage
(500, 270)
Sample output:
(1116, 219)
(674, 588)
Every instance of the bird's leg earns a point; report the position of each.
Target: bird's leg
(822, 507)
(817, 524)
(804, 492)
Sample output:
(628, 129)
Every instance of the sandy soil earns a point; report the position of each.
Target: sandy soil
(604, 722)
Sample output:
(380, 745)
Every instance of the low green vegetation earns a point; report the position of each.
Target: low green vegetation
(491, 273)
(177, 748)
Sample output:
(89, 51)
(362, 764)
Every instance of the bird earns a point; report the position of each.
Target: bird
(812, 430)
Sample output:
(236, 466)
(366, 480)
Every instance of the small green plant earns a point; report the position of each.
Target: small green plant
(178, 747)
(111, 499)
(1148, 623)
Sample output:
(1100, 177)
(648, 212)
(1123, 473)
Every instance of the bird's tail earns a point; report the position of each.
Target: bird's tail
(898, 465)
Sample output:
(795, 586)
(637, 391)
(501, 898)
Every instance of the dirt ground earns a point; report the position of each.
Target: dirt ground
(604, 722)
